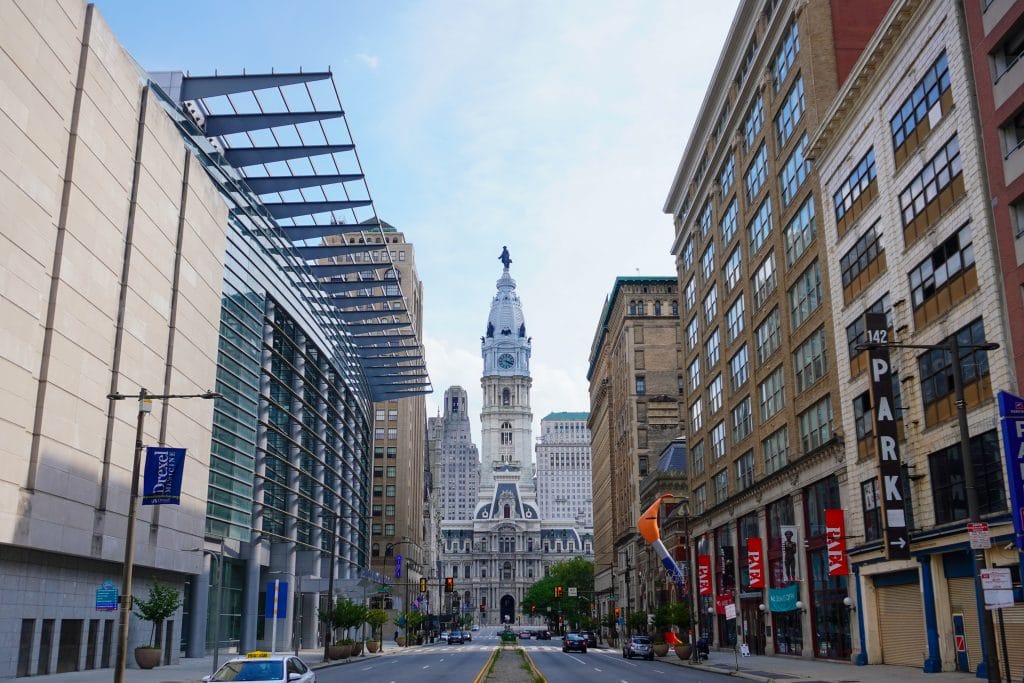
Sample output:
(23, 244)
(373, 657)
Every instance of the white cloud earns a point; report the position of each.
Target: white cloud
(372, 61)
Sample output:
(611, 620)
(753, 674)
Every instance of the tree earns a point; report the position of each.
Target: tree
(163, 602)
(680, 615)
(575, 573)
(345, 615)
(376, 618)
(637, 622)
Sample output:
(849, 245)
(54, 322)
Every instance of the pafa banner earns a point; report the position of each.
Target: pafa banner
(161, 484)
(835, 540)
(755, 563)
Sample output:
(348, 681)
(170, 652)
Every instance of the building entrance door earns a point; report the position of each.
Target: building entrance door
(508, 609)
(753, 627)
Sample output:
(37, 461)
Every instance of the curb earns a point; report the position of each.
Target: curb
(487, 666)
(348, 660)
(537, 675)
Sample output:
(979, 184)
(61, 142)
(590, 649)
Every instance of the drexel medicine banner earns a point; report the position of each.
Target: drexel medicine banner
(1011, 415)
(161, 484)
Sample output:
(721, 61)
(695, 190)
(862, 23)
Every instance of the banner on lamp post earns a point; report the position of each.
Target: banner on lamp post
(704, 574)
(835, 542)
(161, 482)
(1011, 417)
(755, 563)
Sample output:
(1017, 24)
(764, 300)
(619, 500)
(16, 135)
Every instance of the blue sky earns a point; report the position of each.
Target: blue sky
(552, 127)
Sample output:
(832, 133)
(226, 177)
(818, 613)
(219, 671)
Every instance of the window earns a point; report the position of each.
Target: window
(711, 349)
(790, 112)
(936, 175)
(816, 425)
(799, 232)
(379, 414)
(378, 451)
(734, 319)
(697, 452)
(772, 393)
(794, 171)
(707, 262)
(641, 386)
(768, 337)
(855, 185)
(756, 173)
(378, 470)
(920, 101)
(392, 471)
(505, 436)
(745, 471)
(688, 255)
(1009, 51)
(691, 334)
(775, 450)
(378, 433)
(727, 176)
(392, 452)
(1013, 134)
(732, 269)
(675, 308)
(739, 369)
(715, 395)
(696, 416)
(721, 484)
(764, 281)
(785, 55)
(657, 308)
(711, 304)
(704, 219)
(389, 491)
(760, 226)
(700, 499)
(392, 415)
(943, 265)
(947, 475)
(855, 333)
(392, 433)
(690, 293)
(862, 421)
(728, 224)
(718, 440)
(389, 529)
(863, 253)
(389, 510)
(640, 308)
(805, 296)
(742, 420)
(936, 366)
(693, 374)
(810, 361)
(753, 122)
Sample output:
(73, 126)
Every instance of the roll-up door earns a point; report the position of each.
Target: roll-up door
(1013, 625)
(962, 600)
(901, 624)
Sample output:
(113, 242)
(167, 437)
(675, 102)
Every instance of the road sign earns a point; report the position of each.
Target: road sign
(998, 586)
(979, 535)
(573, 591)
(613, 597)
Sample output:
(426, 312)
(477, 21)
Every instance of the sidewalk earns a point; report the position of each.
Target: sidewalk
(193, 669)
(796, 669)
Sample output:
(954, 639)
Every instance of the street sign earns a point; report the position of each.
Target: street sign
(573, 591)
(613, 597)
(998, 586)
(979, 535)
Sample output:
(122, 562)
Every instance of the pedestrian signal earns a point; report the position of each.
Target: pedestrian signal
(558, 591)
(449, 584)
(423, 585)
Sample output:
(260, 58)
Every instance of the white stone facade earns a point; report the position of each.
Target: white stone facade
(564, 481)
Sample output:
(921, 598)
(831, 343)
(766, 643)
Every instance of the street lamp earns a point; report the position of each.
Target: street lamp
(953, 346)
(125, 599)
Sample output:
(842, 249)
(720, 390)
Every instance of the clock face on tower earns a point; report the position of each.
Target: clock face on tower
(506, 361)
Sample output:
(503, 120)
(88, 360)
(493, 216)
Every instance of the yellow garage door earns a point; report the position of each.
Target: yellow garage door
(901, 624)
(961, 599)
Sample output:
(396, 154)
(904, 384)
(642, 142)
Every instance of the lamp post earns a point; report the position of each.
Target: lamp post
(125, 598)
(405, 604)
(953, 347)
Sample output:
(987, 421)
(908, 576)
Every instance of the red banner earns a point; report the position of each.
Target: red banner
(835, 539)
(722, 601)
(755, 563)
(704, 574)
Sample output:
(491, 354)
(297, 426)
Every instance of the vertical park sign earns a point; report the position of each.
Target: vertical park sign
(897, 536)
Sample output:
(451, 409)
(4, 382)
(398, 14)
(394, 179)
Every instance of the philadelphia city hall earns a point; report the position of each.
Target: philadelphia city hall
(500, 547)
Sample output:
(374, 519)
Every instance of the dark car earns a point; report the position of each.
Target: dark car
(574, 641)
(638, 646)
(591, 638)
(455, 637)
(542, 635)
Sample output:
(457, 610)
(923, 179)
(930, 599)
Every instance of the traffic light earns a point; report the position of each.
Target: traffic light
(618, 611)
(558, 591)
(423, 584)
(449, 584)
(533, 609)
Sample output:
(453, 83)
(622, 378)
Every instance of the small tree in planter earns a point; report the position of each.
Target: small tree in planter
(162, 603)
(680, 614)
(662, 624)
(346, 615)
(376, 618)
(412, 625)
(637, 622)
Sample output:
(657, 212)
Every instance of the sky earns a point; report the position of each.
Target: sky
(553, 127)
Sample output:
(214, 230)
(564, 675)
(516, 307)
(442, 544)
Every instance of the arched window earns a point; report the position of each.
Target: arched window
(675, 308)
(508, 510)
(506, 397)
(376, 550)
(391, 288)
(657, 308)
(506, 433)
(640, 308)
(632, 308)
(506, 571)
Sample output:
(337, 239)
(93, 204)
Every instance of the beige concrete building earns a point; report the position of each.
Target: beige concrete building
(758, 356)
(909, 235)
(635, 412)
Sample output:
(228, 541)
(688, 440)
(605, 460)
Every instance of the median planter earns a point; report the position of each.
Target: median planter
(683, 652)
(660, 649)
(147, 657)
(338, 651)
(372, 646)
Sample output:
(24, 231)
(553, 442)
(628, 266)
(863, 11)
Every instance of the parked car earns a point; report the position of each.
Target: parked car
(264, 667)
(574, 642)
(524, 634)
(591, 638)
(542, 635)
(476, 627)
(467, 636)
(638, 646)
(455, 637)
(444, 636)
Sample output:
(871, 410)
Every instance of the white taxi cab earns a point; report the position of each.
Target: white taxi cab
(264, 667)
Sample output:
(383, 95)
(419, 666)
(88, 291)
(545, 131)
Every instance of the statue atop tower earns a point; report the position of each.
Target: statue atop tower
(505, 258)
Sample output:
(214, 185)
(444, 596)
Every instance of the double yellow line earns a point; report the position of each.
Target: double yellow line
(537, 675)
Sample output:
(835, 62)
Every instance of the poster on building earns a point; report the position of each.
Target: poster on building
(704, 574)
(897, 536)
(755, 563)
(835, 543)
(783, 599)
(790, 545)
(1011, 418)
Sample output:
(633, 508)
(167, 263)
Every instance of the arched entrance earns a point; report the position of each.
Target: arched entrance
(508, 609)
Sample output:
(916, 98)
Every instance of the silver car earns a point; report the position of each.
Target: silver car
(638, 646)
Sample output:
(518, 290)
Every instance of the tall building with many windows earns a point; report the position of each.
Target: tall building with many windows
(758, 356)
(906, 219)
(458, 469)
(563, 468)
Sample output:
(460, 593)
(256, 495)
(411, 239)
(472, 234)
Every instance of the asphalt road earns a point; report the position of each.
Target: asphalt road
(605, 665)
